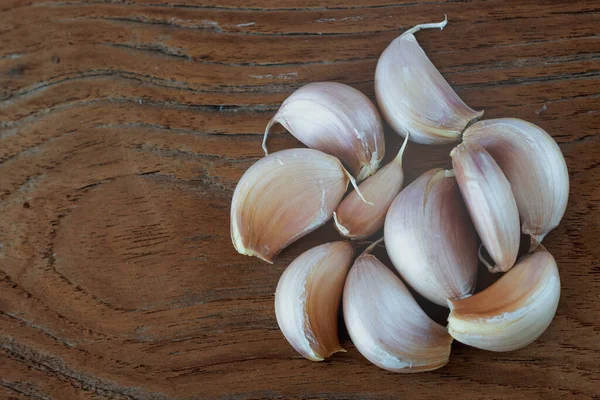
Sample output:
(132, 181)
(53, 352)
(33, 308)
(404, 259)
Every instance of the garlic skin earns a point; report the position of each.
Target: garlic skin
(355, 219)
(308, 297)
(514, 311)
(283, 197)
(414, 97)
(430, 238)
(386, 324)
(490, 201)
(335, 119)
(534, 166)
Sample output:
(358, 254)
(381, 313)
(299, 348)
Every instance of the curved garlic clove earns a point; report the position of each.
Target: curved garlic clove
(338, 120)
(514, 311)
(386, 324)
(356, 219)
(490, 201)
(534, 166)
(430, 238)
(414, 97)
(308, 297)
(283, 197)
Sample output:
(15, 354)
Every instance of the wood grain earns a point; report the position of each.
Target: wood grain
(124, 128)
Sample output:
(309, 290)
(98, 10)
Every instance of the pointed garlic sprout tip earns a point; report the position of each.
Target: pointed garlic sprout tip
(400, 154)
(338, 120)
(353, 182)
(267, 131)
(512, 312)
(308, 297)
(431, 25)
(372, 246)
(489, 266)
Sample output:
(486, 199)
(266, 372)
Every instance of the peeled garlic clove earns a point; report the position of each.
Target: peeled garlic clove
(430, 238)
(356, 219)
(338, 120)
(490, 201)
(308, 297)
(514, 311)
(414, 97)
(534, 166)
(386, 324)
(283, 197)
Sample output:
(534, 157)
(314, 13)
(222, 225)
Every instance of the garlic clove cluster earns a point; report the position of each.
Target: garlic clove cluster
(490, 201)
(308, 297)
(414, 97)
(430, 238)
(355, 219)
(514, 311)
(283, 197)
(534, 166)
(335, 119)
(386, 324)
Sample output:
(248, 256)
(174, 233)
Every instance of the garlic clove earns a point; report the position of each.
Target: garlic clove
(414, 97)
(430, 238)
(308, 297)
(283, 197)
(386, 324)
(514, 311)
(490, 201)
(354, 218)
(534, 166)
(338, 120)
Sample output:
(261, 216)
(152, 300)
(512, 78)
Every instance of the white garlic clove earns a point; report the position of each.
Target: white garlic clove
(491, 203)
(283, 197)
(534, 166)
(514, 311)
(414, 97)
(430, 238)
(386, 324)
(338, 120)
(308, 298)
(354, 218)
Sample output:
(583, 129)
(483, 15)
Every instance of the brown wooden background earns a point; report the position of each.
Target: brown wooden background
(124, 129)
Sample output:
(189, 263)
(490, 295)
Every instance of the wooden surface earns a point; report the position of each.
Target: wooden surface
(124, 129)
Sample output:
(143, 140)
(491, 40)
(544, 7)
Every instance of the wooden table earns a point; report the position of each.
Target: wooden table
(125, 128)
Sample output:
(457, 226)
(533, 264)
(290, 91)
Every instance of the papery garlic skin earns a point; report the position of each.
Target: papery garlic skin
(430, 238)
(283, 197)
(514, 311)
(355, 219)
(386, 324)
(414, 97)
(338, 120)
(308, 297)
(534, 166)
(490, 201)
